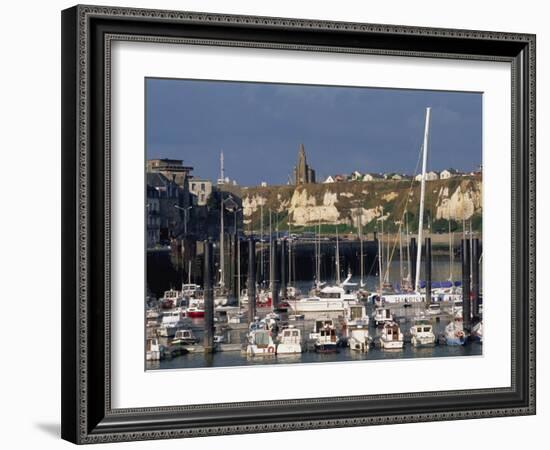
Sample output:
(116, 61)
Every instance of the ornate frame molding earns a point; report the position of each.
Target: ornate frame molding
(87, 422)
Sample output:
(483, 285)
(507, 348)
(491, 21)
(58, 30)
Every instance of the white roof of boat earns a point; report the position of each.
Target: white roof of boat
(332, 289)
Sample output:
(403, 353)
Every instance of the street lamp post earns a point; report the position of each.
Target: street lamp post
(185, 216)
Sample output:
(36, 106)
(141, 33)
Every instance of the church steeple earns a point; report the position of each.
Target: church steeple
(302, 172)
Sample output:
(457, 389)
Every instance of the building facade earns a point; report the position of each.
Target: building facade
(173, 169)
(200, 190)
(153, 217)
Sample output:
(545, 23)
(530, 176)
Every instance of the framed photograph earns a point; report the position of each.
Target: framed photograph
(282, 224)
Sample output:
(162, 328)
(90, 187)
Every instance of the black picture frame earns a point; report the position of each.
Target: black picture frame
(87, 415)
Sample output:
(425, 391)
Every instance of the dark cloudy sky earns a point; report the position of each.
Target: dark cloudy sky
(260, 126)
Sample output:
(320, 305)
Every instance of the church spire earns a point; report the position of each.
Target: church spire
(302, 172)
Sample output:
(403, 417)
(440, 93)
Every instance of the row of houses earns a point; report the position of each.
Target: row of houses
(430, 176)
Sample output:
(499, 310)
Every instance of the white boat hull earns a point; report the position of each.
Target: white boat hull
(391, 345)
(301, 307)
(423, 341)
(153, 355)
(254, 350)
(358, 345)
(289, 349)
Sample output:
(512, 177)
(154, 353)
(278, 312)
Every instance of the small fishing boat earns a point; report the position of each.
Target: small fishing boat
(239, 317)
(454, 332)
(260, 343)
(153, 314)
(422, 334)
(434, 309)
(324, 336)
(290, 341)
(391, 337)
(152, 352)
(170, 299)
(382, 316)
(358, 338)
(190, 289)
(171, 322)
(356, 315)
(477, 332)
(195, 309)
(184, 337)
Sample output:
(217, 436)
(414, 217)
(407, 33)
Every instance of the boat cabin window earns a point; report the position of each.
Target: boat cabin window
(295, 333)
(419, 329)
(356, 312)
(329, 295)
(427, 329)
(261, 338)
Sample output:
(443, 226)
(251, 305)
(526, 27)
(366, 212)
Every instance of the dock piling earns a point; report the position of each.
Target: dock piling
(276, 283)
(283, 268)
(428, 269)
(251, 280)
(208, 298)
(466, 306)
(412, 264)
(475, 278)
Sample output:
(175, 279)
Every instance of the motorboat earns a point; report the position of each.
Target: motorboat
(454, 332)
(422, 333)
(324, 336)
(171, 322)
(317, 304)
(382, 316)
(434, 309)
(239, 317)
(260, 343)
(152, 350)
(171, 299)
(153, 314)
(358, 338)
(477, 332)
(184, 337)
(391, 337)
(195, 309)
(339, 293)
(356, 315)
(190, 289)
(290, 341)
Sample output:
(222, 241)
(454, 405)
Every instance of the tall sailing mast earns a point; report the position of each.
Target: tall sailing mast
(271, 268)
(408, 244)
(337, 258)
(360, 229)
(318, 254)
(400, 256)
(451, 255)
(422, 194)
(381, 251)
(222, 243)
(379, 264)
(262, 242)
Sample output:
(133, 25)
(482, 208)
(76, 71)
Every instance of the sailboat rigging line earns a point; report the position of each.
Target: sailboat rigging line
(405, 201)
